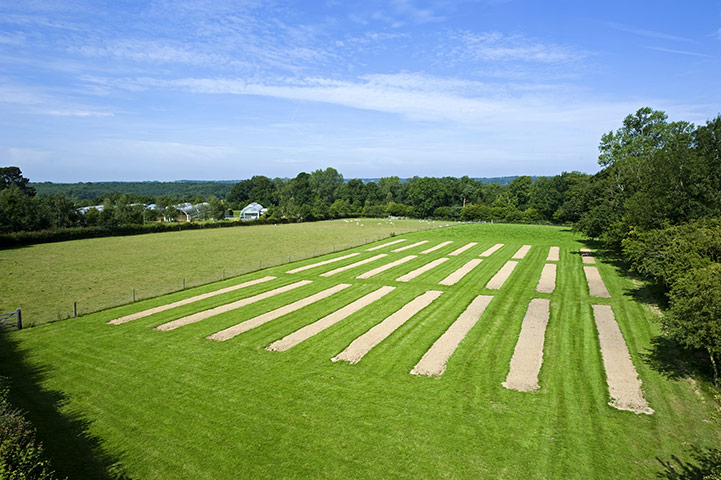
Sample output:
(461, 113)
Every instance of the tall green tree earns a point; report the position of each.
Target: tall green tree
(14, 176)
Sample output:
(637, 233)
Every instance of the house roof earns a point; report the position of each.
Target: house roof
(253, 207)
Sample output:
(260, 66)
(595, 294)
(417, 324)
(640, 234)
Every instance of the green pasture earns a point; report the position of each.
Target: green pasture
(127, 401)
(44, 280)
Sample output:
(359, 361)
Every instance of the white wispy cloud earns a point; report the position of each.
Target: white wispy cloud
(646, 33)
(680, 52)
(494, 46)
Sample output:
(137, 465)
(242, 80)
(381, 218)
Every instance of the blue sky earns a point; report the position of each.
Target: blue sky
(166, 90)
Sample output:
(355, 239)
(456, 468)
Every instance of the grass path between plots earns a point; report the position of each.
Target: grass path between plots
(131, 401)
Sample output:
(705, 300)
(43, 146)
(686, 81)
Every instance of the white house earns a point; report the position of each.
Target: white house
(252, 212)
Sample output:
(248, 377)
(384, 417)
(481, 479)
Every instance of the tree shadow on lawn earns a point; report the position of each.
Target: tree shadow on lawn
(72, 451)
(706, 465)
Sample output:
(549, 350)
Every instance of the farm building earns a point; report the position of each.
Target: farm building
(192, 211)
(252, 211)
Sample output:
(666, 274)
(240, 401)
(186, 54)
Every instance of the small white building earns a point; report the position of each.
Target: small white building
(252, 212)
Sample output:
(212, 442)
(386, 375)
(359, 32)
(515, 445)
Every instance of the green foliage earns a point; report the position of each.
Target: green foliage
(13, 176)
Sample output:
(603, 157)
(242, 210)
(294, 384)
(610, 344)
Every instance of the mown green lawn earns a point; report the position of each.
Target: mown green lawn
(156, 405)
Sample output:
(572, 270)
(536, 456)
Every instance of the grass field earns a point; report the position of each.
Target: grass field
(128, 401)
(44, 280)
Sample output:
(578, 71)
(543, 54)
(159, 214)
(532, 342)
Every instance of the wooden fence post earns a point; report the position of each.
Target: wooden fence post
(20, 319)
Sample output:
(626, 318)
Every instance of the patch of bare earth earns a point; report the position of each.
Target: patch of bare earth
(587, 256)
(502, 275)
(314, 328)
(554, 254)
(196, 317)
(624, 386)
(388, 266)
(326, 262)
(435, 359)
(456, 276)
(521, 253)
(437, 247)
(491, 250)
(418, 271)
(547, 283)
(378, 247)
(528, 355)
(412, 245)
(363, 344)
(179, 303)
(462, 249)
(596, 287)
(354, 265)
(252, 323)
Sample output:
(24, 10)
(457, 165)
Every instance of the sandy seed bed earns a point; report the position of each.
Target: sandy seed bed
(547, 283)
(353, 265)
(462, 249)
(624, 386)
(502, 275)
(491, 250)
(528, 355)
(388, 266)
(437, 247)
(435, 359)
(314, 328)
(418, 271)
(196, 317)
(521, 253)
(363, 344)
(231, 332)
(326, 262)
(554, 254)
(587, 256)
(179, 303)
(596, 287)
(378, 247)
(456, 276)
(412, 245)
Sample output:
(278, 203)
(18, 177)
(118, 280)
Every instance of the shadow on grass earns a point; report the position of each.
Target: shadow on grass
(73, 452)
(672, 360)
(706, 465)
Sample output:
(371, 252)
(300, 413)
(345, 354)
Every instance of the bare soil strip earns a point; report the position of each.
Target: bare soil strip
(353, 265)
(363, 344)
(412, 245)
(456, 276)
(162, 308)
(596, 287)
(528, 355)
(411, 275)
(314, 328)
(521, 253)
(587, 256)
(378, 247)
(388, 266)
(231, 332)
(624, 386)
(435, 359)
(554, 254)
(462, 249)
(491, 250)
(437, 247)
(196, 317)
(502, 275)
(326, 262)
(547, 283)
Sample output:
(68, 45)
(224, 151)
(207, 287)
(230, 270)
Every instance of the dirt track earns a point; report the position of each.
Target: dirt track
(412, 245)
(587, 256)
(553, 254)
(596, 287)
(528, 355)
(388, 266)
(502, 275)
(456, 276)
(547, 283)
(378, 247)
(326, 262)
(462, 249)
(353, 265)
(418, 271)
(521, 253)
(491, 250)
(437, 247)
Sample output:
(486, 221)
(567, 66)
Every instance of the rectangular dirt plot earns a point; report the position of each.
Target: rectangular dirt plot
(521, 253)
(354, 265)
(437, 247)
(408, 247)
(363, 344)
(231, 332)
(378, 247)
(587, 256)
(456, 276)
(196, 317)
(316, 327)
(554, 254)
(547, 283)
(179, 303)
(326, 262)
(502, 275)
(596, 287)
(491, 250)
(462, 249)
(388, 266)
(435, 359)
(624, 386)
(418, 271)
(528, 354)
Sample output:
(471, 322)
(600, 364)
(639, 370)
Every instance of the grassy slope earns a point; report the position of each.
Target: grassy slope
(44, 280)
(175, 405)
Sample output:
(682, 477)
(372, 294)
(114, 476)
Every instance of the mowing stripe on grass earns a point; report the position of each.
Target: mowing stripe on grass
(353, 265)
(596, 287)
(502, 275)
(547, 283)
(162, 308)
(437, 247)
(462, 249)
(411, 275)
(624, 386)
(378, 247)
(553, 254)
(456, 276)
(491, 250)
(196, 317)
(231, 332)
(587, 256)
(363, 344)
(435, 359)
(412, 245)
(528, 355)
(388, 266)
(521, 253)
(318, 326)
(326, 262)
